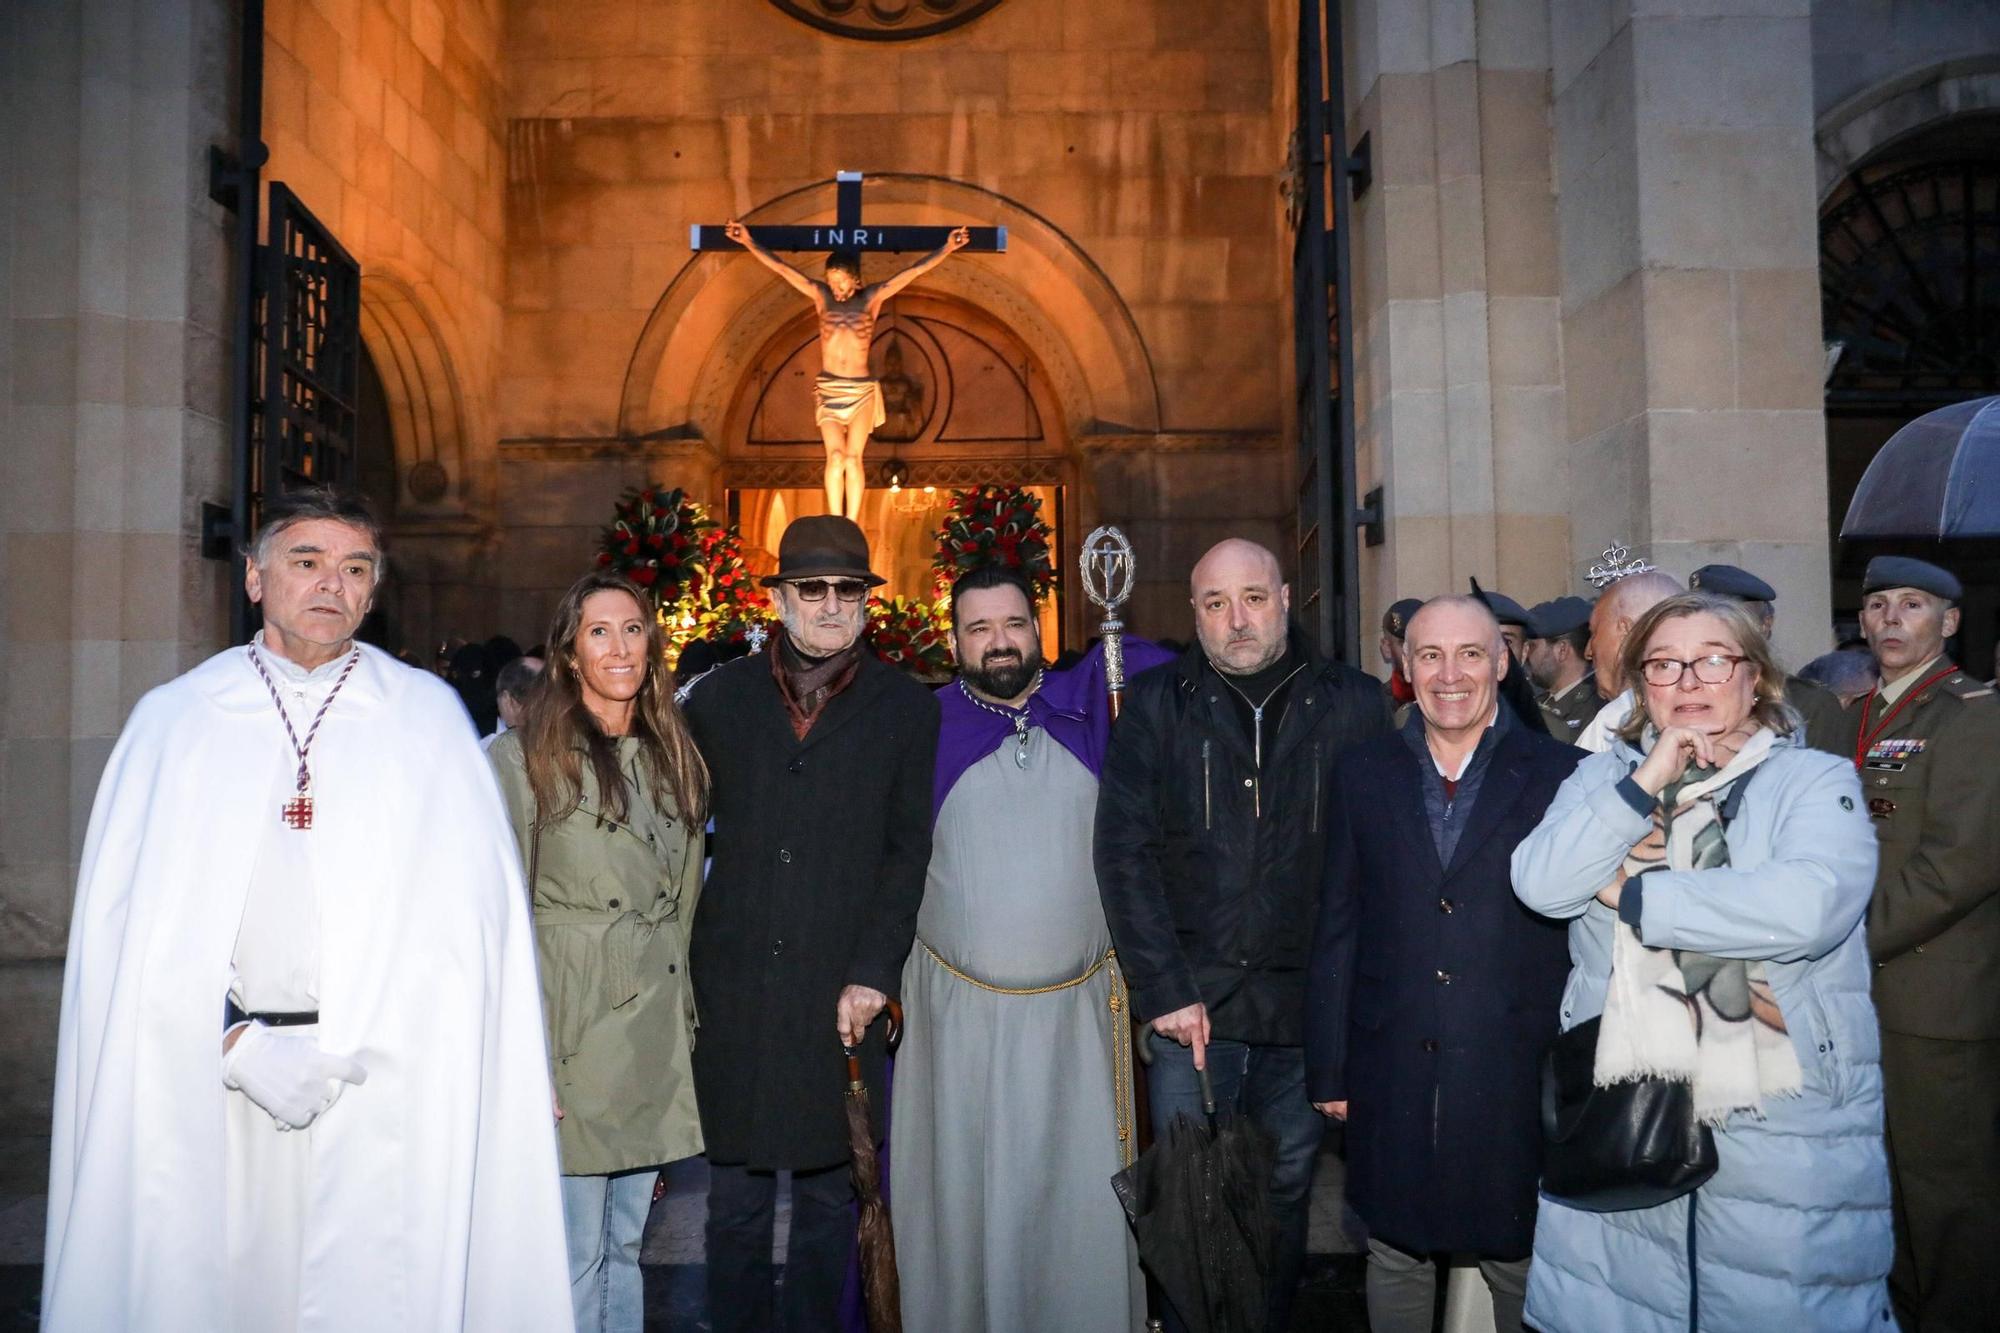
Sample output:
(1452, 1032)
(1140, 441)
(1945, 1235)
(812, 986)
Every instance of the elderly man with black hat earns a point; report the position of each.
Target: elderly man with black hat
(1818, 707)
(1559, 662)
(1925, 741)
(820, 758)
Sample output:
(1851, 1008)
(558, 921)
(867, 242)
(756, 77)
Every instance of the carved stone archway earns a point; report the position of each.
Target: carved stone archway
(1917, 100)
(975, 407)
(426, 407)
(433, 532)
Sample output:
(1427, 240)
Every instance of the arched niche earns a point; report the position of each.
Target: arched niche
(425, 405)
(969, 403)
(959, 384)
(1867, 124)
(1910, 292)
(720, 310)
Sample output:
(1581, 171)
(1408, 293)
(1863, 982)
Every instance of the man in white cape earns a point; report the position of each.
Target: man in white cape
(302, 830)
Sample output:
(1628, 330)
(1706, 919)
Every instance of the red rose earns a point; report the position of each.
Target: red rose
(632, 547)
(604, 557)
(644, 576)
(656, 541)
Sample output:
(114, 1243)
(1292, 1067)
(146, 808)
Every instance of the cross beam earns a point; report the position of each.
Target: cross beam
(847, 231)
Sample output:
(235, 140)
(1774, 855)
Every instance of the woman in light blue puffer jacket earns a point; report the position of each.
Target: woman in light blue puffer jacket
(1793, 1231)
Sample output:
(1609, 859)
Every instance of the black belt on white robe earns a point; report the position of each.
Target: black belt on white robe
(234, 1013)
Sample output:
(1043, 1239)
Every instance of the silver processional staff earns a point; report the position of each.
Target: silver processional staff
(1107, 568)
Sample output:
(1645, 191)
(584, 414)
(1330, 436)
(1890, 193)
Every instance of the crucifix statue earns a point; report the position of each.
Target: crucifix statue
(849, 400)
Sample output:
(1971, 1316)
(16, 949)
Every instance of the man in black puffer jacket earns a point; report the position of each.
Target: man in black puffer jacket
(1209, 837)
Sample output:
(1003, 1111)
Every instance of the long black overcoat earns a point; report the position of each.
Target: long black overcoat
(1432, 995)
(820, 849)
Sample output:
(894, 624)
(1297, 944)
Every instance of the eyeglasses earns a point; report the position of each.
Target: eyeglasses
(1715, 669)
(815, 590)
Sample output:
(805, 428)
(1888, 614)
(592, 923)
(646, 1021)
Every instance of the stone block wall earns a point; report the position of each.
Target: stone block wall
(1147, 134)
(1586, 298)
(1690, 293)
(387, 120)
(114, 311)
(1459, 359)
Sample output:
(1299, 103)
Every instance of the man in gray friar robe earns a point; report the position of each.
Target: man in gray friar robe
(1013, 1090)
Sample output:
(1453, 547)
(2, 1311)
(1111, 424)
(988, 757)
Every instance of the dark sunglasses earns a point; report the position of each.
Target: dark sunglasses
(815, 590)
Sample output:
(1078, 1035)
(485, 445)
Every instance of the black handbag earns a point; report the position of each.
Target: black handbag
(1611, 1150)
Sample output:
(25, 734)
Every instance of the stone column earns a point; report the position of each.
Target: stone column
(114, 280)
(1459, 386)
(1690, 297)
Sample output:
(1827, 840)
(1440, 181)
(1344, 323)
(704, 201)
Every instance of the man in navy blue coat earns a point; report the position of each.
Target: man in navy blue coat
(1432, 991)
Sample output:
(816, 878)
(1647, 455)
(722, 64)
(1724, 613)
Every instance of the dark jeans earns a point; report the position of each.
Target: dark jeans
(1268, 1085)
(742, 1206)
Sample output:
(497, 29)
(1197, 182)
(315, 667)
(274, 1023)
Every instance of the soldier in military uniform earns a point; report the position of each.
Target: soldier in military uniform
(1560, 669)
(1516, 625)
(1826, 722)
(1394, 621)
(1925, 741)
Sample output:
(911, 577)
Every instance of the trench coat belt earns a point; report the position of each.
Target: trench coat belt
(626, 936)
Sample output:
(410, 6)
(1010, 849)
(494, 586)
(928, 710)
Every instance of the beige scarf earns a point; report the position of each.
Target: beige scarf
(1672, 1013)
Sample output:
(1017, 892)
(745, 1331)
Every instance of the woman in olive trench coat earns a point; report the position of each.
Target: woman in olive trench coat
(613, 886)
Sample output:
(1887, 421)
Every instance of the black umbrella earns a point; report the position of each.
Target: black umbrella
(1937, 477)
(1200, 1204)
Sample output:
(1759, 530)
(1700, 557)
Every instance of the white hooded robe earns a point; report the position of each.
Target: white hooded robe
(432, 1197)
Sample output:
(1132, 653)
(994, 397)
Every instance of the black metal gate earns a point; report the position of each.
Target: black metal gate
(1328, 582)
(308, 367)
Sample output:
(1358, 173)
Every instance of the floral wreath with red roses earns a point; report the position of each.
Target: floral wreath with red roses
(989, 525)
(692, 566)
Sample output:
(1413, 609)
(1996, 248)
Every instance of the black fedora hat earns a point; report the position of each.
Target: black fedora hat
(823, 546)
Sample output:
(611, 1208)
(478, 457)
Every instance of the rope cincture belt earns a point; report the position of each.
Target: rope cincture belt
(1121, 1038)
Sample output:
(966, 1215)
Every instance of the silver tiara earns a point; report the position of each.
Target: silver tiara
(1618, 564)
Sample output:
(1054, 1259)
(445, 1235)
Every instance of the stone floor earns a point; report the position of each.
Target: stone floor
(1329, 1300)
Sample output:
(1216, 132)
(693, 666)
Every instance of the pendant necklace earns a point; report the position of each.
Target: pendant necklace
(1018, 719)
(298, 812)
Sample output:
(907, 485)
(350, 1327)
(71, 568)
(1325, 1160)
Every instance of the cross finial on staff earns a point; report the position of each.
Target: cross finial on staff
(1108, 569)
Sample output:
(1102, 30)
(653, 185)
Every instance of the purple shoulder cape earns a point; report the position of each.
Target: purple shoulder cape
(1071, 706)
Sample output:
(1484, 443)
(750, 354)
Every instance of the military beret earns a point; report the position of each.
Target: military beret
(1906, 571)
(1397, 618)
(1729, 581)
(1561, 616)
(1508, 611)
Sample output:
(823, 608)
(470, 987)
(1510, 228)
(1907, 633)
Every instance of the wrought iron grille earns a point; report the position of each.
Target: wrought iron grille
(1315, 181)
(308, 353)
(1910, 286)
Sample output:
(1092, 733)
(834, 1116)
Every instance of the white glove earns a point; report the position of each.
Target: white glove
(287, 1074)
